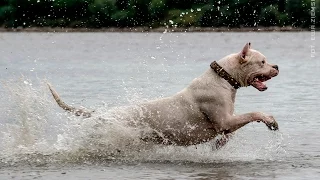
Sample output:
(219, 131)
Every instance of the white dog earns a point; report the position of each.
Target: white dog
(204, 109)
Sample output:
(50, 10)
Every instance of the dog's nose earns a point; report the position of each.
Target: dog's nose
(276, 67)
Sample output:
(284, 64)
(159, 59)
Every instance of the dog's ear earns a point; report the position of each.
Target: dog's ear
(244, 52)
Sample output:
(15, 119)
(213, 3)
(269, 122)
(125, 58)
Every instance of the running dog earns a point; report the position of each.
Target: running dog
(205, 108)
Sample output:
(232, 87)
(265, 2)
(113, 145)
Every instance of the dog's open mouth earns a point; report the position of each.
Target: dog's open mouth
(259, 82)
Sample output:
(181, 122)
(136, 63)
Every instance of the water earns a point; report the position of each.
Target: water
(106, 71)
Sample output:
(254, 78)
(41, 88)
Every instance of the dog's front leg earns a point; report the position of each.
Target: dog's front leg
(235, 122)
(223, 140)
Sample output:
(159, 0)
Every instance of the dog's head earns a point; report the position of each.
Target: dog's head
(255, 68)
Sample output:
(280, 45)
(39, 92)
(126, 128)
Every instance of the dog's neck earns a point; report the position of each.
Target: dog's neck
(225, 75)
(232, 67)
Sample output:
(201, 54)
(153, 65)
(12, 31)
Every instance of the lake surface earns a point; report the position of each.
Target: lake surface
(106, 71)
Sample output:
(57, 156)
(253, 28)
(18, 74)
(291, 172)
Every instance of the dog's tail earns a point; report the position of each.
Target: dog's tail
(63, 105)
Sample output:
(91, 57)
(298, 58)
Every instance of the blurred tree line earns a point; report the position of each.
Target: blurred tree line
(155, 13)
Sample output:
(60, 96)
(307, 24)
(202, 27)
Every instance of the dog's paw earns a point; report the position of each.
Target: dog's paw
(221, 142)
(273, 126)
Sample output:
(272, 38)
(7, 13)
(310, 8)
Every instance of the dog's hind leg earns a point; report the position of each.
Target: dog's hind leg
(63, 105)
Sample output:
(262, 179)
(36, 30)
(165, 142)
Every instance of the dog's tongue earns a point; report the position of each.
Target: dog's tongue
(259, 85)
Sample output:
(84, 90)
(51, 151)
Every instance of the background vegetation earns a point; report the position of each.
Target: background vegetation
(155, 13)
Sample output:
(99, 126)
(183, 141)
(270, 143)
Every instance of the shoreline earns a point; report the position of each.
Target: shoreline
(159, 30)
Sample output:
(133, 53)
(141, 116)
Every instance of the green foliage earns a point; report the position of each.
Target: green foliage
(185, 4)
(73, 9)
(183, 18)
(6, 12)
(270, 16)
(139, 9)
(157, 8)
(299, 12)
(122, 18)
(154, 13)
(101, 12)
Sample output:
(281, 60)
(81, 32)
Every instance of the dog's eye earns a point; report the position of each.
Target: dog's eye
(263, 61)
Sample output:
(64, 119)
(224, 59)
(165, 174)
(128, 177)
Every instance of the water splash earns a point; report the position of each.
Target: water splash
(35, 131)
(25, 118)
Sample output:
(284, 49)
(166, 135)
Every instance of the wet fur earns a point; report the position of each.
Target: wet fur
(204, 109)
